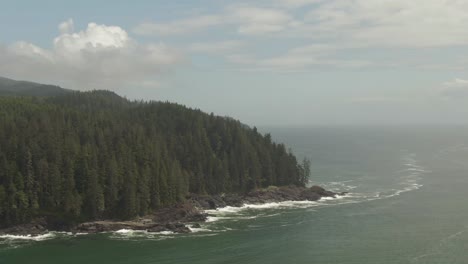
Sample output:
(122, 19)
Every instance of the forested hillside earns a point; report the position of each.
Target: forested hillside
(17, 88)
(94, 155)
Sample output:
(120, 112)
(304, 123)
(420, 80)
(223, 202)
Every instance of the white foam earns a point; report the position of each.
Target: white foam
(165, 233)
(327, 198)
(29, 237)
(410, 181)
(235, 213)
(338, 186)
(131, 232)
(233, 217)
(199, 229)
(279, 205)
(125, 231)
(210, 219)
(417, 169)
(227, 209)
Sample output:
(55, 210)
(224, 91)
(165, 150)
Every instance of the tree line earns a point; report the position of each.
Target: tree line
(95, 155)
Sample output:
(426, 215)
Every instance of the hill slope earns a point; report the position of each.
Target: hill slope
(23, 88)
(95, 155)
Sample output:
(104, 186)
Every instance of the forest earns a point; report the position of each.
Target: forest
(95, 155)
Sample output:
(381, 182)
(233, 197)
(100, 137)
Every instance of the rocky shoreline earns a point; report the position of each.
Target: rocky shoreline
(179, 217)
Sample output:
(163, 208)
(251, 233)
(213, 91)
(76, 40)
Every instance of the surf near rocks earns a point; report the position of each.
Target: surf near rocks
(271, 194)
(180, 217)
(169, 219)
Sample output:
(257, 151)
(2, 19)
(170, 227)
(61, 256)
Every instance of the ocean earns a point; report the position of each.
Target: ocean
(407, 203)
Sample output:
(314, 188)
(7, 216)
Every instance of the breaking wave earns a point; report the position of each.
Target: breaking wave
(28, 237)
(409, 178)
(237, 213)
(129, 234)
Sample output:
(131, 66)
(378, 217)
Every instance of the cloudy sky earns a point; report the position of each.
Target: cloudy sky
(272, 62)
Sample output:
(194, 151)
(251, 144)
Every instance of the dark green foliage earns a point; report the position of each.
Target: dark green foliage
(96, 155)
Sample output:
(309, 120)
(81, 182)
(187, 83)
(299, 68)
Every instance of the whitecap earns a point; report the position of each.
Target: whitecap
(227, 209)
(233, 217)
(165, 233)
(125, 231)
(199, 229)
(210, 219)
(328, 198)
(141, 232)
(235, 213)
(29, 237)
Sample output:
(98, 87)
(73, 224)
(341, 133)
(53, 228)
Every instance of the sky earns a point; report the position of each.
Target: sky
(266, 63)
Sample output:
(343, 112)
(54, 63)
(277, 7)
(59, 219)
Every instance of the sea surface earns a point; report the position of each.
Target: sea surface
(407, 203)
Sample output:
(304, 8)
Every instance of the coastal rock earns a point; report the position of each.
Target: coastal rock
(321, 191)
(309, 195)
(36, 227)
(287, 193)
(110, 226)
(198, 217)
(164, 219)
(183, 212)
(157, 229)
(177, 228)
(174, 218)
(271, 194)
(207, 202)
(172, 227)
(233, 200)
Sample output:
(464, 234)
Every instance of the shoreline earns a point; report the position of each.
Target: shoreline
(179, 218)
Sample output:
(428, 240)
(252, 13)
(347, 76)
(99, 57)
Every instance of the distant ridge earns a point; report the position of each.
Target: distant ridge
(11, 87)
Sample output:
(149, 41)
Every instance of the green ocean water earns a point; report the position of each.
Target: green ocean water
(407, 204)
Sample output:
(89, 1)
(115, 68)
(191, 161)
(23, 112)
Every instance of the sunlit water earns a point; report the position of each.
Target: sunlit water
(407, 203)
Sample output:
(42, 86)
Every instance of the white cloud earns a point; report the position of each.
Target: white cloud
(351, 27)
(95, 36)
(382, 23)
(391, 23)
(248, 20)
(99, 57)
(66, 26)
(457, 88)
(254, 21)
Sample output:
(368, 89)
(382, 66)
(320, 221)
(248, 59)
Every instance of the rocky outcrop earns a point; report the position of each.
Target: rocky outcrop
(260, 196)
(182, 212)
(207, 202)
(150, 226)
(175, 218)
(171, 219)
(35, 227)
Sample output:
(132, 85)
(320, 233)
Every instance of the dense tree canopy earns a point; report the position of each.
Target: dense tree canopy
(91, 155)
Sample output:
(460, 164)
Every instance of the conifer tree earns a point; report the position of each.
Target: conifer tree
(95, 155)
